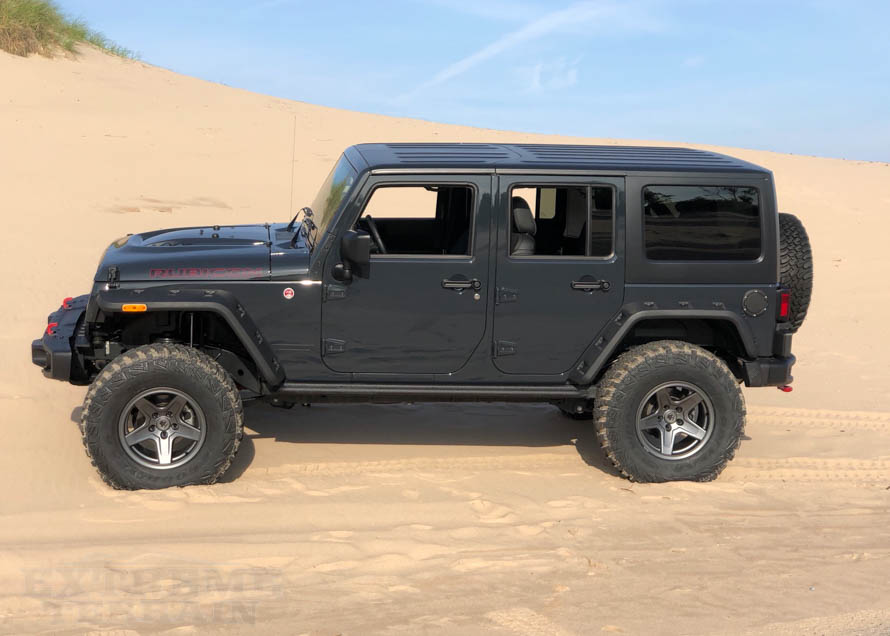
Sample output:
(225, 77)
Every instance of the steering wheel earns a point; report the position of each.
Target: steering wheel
(375, 233)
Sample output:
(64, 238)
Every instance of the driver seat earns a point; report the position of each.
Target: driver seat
(522, 239)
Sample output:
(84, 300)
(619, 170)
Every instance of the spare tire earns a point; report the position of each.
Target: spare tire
(795, 267)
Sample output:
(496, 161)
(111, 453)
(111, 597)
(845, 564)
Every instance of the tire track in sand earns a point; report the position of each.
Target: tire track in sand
(805, 469)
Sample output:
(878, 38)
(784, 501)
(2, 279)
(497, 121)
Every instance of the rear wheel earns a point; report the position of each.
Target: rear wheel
(160, 416)
(668, 411)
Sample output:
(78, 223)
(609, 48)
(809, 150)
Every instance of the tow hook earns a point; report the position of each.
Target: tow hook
(785, 388)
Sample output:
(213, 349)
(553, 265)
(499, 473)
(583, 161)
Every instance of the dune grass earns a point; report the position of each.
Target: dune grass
(39, 26)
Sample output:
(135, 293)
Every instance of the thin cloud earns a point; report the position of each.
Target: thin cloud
(551, 76)
(545, 25)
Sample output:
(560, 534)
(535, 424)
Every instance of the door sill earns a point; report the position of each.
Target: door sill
(375, 392)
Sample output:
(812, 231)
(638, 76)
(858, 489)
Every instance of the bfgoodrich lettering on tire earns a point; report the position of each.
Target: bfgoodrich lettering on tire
(160, 416)
(669, 410)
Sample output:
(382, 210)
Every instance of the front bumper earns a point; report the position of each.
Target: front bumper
(768, 371)
(53, 353)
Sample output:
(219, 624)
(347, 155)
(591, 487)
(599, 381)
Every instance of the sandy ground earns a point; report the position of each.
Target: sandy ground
(411, 519)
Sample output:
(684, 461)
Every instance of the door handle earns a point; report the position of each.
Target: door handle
(591, 285)
(459, 284)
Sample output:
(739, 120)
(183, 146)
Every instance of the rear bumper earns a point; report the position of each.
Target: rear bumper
(53, 352)
(768, 371)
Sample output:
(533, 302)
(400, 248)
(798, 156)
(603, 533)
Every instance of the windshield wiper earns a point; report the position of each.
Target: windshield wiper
(306, 212)
(306, 227)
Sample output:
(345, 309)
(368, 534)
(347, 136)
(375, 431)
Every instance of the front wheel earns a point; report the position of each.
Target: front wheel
(161, 416)
(668, 411)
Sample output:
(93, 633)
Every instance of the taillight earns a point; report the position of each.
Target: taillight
(784, 304)
(51, 328)
(66, 303)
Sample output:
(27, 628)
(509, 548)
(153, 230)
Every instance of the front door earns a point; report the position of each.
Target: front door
(422, 309)
(560, 269)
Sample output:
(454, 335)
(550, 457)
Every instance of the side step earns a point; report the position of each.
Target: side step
(356, 392)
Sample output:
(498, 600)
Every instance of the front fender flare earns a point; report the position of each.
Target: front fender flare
(222, 303)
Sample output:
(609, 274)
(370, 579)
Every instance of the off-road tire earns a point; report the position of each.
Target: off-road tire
(632, 376)
(161, 365)
(795, 267)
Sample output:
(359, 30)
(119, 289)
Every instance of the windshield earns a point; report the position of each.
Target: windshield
(332, 193)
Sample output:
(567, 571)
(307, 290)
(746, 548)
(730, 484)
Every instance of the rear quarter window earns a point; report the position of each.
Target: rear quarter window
(701, 223)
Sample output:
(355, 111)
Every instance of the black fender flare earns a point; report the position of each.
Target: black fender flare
(599, 352)
(219, 302)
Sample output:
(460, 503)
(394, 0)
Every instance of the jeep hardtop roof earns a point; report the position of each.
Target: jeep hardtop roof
(492, 157)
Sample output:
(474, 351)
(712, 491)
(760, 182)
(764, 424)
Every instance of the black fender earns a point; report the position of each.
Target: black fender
(219, 302)
(600, 351)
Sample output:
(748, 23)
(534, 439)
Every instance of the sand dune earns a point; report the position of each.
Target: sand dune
(412, 518)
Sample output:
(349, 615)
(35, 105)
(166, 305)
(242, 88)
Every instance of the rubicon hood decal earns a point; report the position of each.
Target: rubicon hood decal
(179, 273)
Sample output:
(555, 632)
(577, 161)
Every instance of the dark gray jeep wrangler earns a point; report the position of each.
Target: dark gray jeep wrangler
(635, 287)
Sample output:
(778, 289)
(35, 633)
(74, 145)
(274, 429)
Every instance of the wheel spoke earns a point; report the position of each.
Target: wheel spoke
(139, 435)
(689, 402)
(667, 440)
(664, 399)
(165, 449)
(146, 408)
(691, 429)
(187, 431)
(649, 422)
(175, 406)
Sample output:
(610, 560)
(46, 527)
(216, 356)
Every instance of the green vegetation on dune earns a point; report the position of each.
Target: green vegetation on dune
(39, 26)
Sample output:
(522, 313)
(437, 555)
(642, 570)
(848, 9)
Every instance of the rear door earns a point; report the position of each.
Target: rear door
(552, 303)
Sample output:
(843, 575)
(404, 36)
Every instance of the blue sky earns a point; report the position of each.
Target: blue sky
(799, 76)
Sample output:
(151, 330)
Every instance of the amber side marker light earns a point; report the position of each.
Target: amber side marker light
(134, 308)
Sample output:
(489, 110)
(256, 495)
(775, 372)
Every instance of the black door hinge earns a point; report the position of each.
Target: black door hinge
(334, 292)
(507, 295)
(332, 345)
(504, 348)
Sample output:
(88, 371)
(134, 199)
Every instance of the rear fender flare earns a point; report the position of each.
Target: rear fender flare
(600, 351)
(222, 303)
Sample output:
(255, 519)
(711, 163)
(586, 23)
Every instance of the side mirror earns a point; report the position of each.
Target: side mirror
(355, 248)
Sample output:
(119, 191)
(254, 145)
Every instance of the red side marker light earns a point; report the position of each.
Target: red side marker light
(51, 328)
(66, 303)
(785, 388)
(784, 304)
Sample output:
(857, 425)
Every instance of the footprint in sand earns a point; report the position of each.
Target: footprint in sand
(337, 566)
(464, 533)
(490, 512)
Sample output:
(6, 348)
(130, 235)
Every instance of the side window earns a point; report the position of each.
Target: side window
(701, 223)
(562, 221)
(424, 219)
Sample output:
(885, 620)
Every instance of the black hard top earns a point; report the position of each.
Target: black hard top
(548, 157)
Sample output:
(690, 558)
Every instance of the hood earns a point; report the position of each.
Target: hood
(232, 252)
